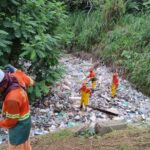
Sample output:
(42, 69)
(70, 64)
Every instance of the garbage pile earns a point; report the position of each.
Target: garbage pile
(63, 111)
(61, 108)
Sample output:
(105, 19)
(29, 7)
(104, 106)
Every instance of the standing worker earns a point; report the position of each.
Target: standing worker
(17, 112)
(23, 79)
(85, 94)
(115, 83)
(92, 77)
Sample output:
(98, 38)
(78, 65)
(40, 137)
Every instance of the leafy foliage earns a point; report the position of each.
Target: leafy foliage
(88, 27)
(28, 31)
(4, 45)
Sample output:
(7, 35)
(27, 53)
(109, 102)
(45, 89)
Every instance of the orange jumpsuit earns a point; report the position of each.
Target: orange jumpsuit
(17, 119)
(22, 78)
(85, 94)
(115, 83)
(92, 77)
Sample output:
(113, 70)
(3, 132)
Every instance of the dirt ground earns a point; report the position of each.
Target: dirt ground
(133, 139)
(122, 140)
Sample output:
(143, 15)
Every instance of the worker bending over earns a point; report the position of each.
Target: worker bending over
(92, 77)
(85, 94)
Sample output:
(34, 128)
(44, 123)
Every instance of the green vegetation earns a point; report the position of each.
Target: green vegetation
(118, 32)
(128, 45)
(129, 139)
(28, 33)
(62, 134)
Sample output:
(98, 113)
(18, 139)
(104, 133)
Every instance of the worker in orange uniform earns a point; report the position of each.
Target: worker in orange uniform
(23, 79)
(17, 112)
(85, 94)
(92, 77)
(115, 83)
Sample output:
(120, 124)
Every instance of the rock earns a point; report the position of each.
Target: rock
(102, 128)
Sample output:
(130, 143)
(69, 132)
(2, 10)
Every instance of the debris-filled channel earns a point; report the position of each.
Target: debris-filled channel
(61, 108)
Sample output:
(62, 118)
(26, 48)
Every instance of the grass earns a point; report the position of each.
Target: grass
(62, 134)
(126, 147)
(129, 139)
(117, 37)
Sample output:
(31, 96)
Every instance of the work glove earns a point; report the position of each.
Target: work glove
(9, 68)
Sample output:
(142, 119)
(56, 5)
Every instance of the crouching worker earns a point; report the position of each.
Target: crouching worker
(23, 79)
(85, 94)
(16, 111)
(92, 77)
(115, 83)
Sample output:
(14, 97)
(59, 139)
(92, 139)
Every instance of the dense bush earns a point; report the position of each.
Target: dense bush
(85, 29)
(119, 29)
(112, 11)
(129, 45)
(28, 32)
(88, 28)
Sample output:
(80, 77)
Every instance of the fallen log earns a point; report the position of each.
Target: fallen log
(104, 110)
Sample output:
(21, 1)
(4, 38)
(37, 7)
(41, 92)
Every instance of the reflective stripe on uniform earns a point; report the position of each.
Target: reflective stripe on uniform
(24, 116)
(17, 116)
(12, 116)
